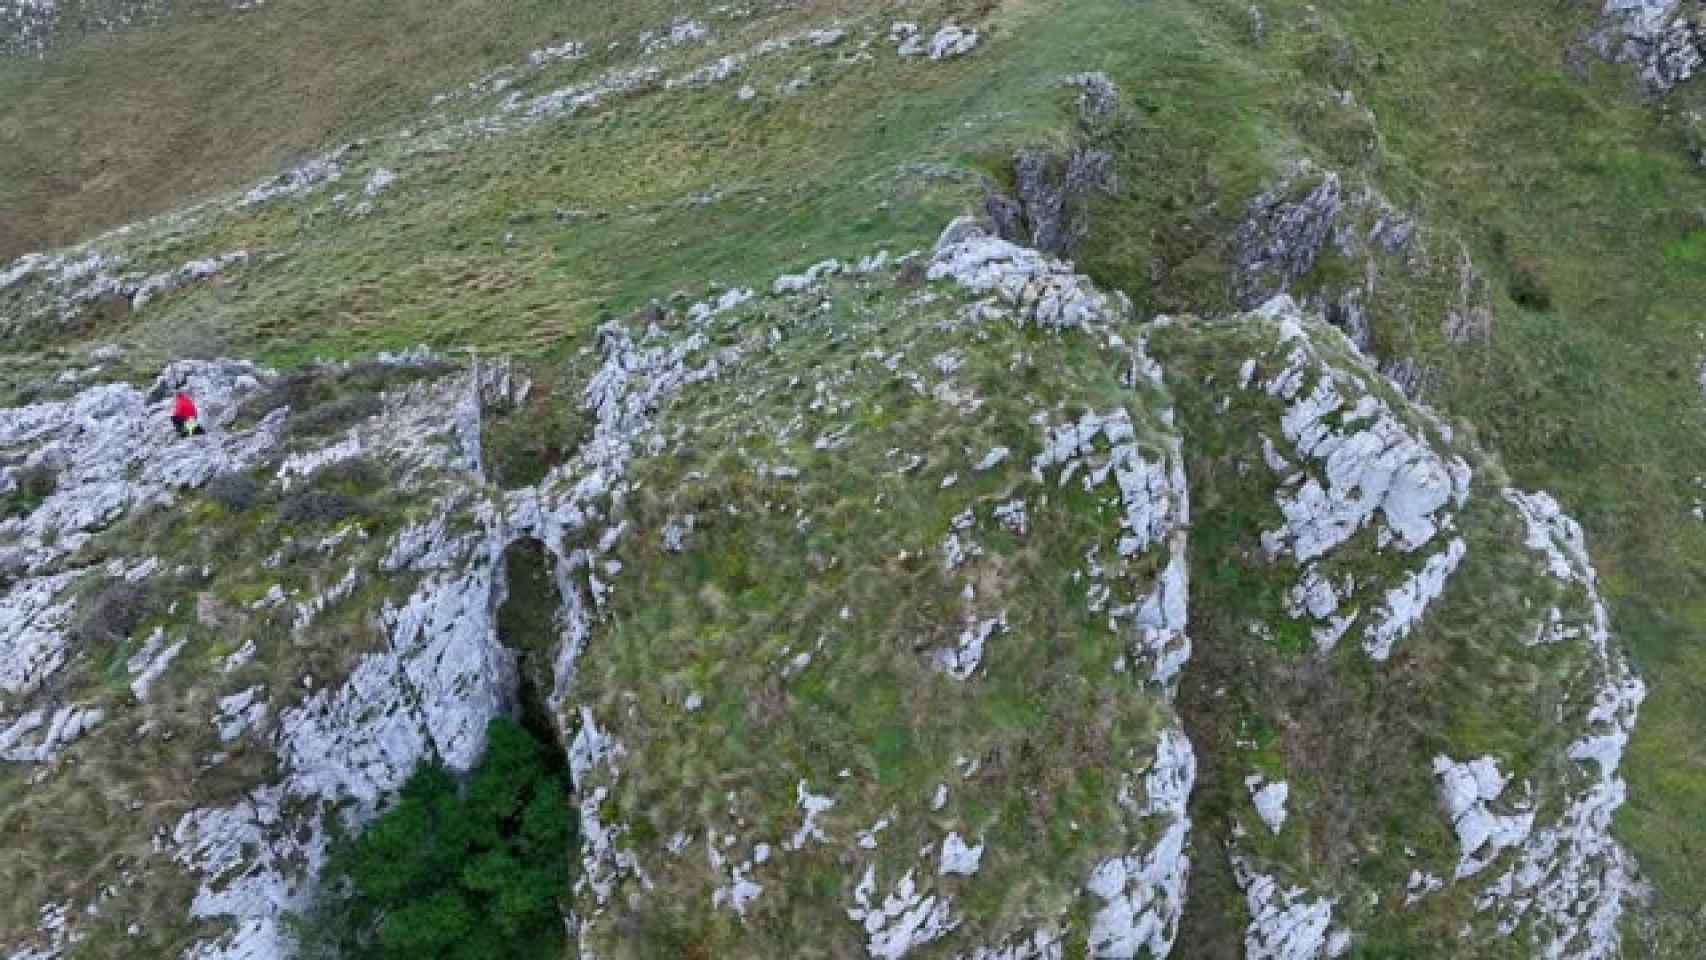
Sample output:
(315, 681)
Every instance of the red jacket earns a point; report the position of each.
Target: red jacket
(183, 407)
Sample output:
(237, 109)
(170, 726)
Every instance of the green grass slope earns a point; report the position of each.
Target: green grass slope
(1571, 194)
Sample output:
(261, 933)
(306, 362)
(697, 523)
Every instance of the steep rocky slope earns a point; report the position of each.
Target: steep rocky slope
(1388, 631)
(995, 480)
(964, 699)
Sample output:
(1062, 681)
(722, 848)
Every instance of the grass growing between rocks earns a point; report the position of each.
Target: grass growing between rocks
(1354, 737)
(793, 639)
(523, 241)
(87, 820)
(1569, 194)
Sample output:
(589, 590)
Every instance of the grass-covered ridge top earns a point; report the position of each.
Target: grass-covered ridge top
(1547, 309)
(535, 261)
(953, 657)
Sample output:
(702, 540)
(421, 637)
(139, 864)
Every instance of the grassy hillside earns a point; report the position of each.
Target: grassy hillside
(118, 126)
(1574, 180)
(1569, 191)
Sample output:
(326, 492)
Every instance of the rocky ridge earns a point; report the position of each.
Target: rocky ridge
(1352, 463)
(1357, 479)
(1374, 526)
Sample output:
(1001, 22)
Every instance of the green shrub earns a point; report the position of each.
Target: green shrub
(335, 415)
(319, 508)
(355, 475)
(520, 445)
(114, 612)
(236, 492)
(1528, 287)
(342, 490)
(458, 872)
(34, 485)
(324, 399)
(298, 390)
(373, 376)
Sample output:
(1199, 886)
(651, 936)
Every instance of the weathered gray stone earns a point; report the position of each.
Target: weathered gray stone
(161, 283)
(1099, 97)
(1282, 236)
(1143, 894)
(958, 857)
(1466, 789)
(1371, 460)
(683, 31)
(240, 713)
(1025, 283)
(1285, 924)
(1049, 209)
(952, 41)
(151, 661)
(1661, 38)
(311, 175)
(904, 919)
(1269, 798)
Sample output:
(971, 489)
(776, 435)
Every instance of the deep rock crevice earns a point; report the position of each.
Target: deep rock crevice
(527, 626)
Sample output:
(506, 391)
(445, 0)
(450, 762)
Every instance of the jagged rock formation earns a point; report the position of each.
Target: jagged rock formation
(1047, 206)
(1663, 39)
(931, 604)
(1282, 237)
(1046, 211)
(1355, 472)
(1387, 527)
(1343, 251)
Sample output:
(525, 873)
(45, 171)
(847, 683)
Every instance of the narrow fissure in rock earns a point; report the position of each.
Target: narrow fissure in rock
(1214, 909)
(527, 626)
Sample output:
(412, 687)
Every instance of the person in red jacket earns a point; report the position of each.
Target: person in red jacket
(184, 415)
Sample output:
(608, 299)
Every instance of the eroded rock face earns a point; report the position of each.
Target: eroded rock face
(1315, 224)
(1370, 516)
(1663, 39)
(1282, 237)
(113, 452)
(1389, 531)
(443, 673)
(1046, 210)
(1048, 206)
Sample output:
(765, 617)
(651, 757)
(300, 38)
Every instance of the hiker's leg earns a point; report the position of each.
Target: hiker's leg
(178, 425)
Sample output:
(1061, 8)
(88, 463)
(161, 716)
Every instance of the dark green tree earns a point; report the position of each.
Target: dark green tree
(458, 871)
